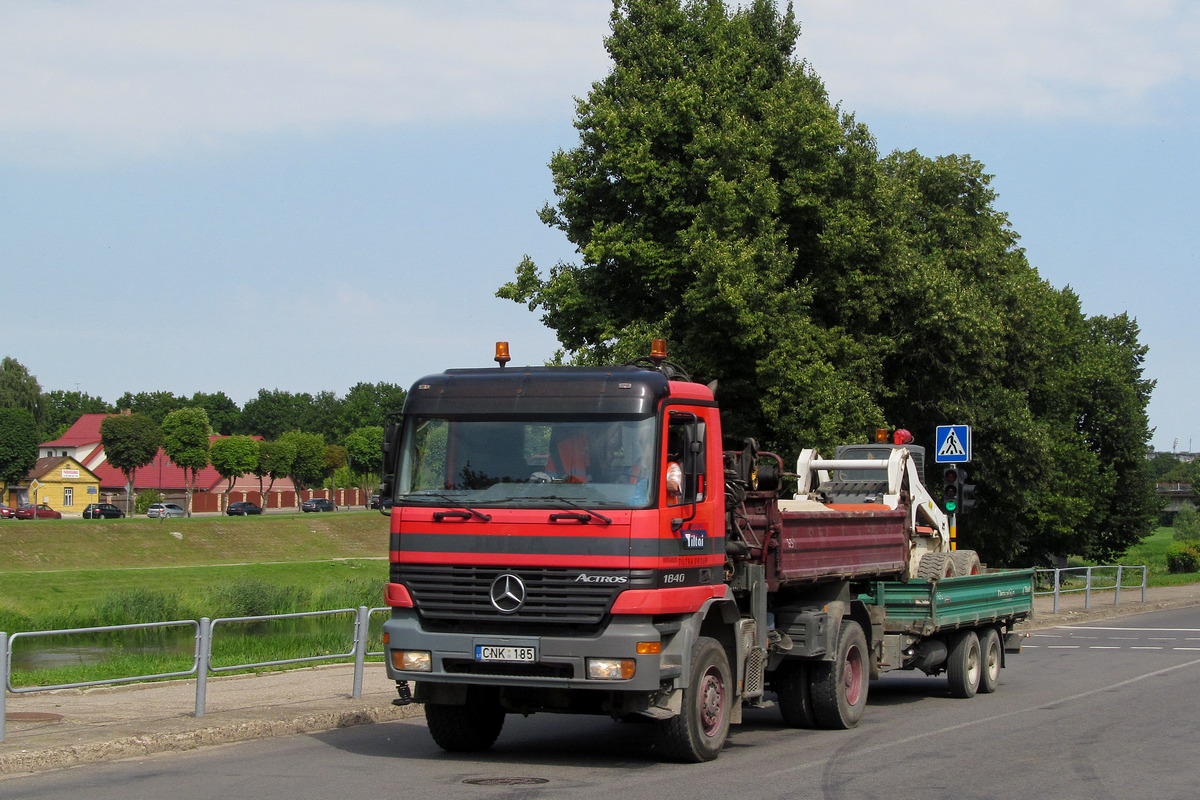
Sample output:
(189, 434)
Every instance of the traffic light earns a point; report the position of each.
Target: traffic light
(966, 493)
(952, 493)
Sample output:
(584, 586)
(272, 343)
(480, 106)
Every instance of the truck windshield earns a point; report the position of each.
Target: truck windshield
(537, 462)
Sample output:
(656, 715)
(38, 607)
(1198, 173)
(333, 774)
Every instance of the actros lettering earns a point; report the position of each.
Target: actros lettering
(585, 578)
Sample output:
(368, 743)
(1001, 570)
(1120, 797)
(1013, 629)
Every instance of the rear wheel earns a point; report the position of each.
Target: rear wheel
(964, 666)
(839, 687)
(935, 566)
(699, 732)
(469, 728)
(993, 656)
(793, 690)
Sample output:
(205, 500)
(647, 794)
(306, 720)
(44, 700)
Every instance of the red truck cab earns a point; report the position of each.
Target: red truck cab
(535, 542)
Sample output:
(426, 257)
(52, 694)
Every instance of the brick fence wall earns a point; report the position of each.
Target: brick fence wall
(216, 502)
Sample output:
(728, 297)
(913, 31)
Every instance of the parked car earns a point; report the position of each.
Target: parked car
(318, 504)
(6, 512)
(243, 508)
(162, 510)
(102, 511)
(375, 501)
(26, 511)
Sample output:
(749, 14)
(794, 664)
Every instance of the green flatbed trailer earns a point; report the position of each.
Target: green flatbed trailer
(963, 626)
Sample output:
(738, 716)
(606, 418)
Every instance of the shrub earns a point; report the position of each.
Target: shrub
(134, 606)
(145, 498)
(1187, 525)
(1183, 557)
(255, 598)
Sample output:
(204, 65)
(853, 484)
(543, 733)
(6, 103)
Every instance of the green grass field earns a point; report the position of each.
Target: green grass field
(58, 574)
(80, 573)
(73, 544)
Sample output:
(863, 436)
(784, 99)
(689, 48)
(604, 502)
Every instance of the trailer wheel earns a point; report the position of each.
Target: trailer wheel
(699, 732)
(470, 728)
(793, 689)
(935, 566)
(966, 562)
(839, 687)
(993, 656)
(964, 665)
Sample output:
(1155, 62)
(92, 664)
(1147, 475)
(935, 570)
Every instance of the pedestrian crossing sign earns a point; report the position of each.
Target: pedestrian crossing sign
(953, 444)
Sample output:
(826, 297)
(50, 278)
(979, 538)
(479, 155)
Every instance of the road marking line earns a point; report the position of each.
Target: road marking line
(1144, 647)
(1153, 630)
(916, 737)
(1064, 647)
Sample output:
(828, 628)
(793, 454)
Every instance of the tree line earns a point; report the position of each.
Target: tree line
(307, 438)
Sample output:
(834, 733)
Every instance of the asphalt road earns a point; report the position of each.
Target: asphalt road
(1106, 709)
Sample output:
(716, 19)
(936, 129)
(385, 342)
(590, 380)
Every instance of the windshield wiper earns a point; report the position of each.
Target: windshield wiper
(584, 517)
(461, 511)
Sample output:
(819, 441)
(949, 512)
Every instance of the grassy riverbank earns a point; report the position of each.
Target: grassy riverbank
(58, 574)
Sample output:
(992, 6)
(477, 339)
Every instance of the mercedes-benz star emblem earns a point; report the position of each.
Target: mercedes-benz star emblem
(507, 593)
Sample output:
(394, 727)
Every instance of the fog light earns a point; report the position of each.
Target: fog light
(412, 660)
(610, 669)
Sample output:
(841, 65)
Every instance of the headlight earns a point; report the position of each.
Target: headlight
(610, 669)
(412, 660)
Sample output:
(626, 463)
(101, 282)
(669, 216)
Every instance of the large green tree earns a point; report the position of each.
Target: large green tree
(717, 198)
(364, 452)
(18, 444)
(307, 467)
(274, 462)
(223, 413)
(61, 409)
(130, 441)
(367, 403)
(233, 457)
(19, 389)
(186, 441)
(271, 413)
(155, 405)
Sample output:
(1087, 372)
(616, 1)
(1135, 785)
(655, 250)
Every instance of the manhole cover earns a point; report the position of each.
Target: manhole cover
(506, 781)
(32, 716)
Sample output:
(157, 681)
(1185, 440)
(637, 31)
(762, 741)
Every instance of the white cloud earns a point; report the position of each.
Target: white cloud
(1093, 60)
(134, 75)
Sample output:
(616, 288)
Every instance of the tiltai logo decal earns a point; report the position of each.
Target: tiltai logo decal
(693, 538)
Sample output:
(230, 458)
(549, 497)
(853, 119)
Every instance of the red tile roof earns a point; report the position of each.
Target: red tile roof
(86, 430)
(162, 473)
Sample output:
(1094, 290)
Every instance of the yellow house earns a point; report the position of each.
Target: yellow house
(63, 483)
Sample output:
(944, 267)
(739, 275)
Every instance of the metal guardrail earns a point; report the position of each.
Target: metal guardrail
(1095, 579)
(205, 630)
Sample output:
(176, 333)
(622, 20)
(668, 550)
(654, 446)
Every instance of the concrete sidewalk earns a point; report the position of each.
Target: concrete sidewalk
(52, 730)
(68, 727)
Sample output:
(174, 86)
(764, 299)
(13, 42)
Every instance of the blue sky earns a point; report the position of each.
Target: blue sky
(305, 194)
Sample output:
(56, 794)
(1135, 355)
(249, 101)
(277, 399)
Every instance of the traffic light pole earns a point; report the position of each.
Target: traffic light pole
(953, 524)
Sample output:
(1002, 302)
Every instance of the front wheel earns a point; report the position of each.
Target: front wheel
(839, 687)
(470, 728)
(964, 666)
(699, 732)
